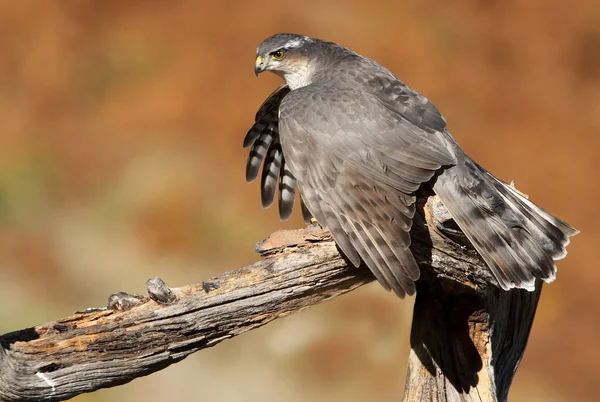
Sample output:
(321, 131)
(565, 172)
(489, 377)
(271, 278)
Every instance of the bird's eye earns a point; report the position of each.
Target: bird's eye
(278, 54)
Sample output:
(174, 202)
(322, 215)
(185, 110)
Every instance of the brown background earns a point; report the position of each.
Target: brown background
(120, 136)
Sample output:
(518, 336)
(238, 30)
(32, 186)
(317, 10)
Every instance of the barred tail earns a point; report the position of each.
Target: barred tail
(518, 240)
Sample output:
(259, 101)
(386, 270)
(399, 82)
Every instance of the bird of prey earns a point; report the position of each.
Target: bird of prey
(358, 143)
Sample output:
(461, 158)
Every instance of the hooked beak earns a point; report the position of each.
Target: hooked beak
(259, 65)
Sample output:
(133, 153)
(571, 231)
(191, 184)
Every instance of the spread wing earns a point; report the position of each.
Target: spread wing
(263, 138)
(359, 158)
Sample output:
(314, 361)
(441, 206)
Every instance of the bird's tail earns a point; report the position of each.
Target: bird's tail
(518, 240)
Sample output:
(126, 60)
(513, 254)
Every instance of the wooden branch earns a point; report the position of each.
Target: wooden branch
(467, 336)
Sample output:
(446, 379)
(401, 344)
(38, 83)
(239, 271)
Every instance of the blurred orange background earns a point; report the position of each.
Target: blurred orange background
(121, 125)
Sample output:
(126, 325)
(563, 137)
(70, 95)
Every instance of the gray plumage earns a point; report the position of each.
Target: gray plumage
(358, 143)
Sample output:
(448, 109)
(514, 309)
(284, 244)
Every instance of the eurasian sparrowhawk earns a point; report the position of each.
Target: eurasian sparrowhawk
(358, 143)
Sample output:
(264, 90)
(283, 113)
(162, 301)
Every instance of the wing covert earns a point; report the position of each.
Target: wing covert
(358, 163)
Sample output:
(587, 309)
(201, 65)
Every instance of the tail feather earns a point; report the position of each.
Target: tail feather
(518, 240)
(553, 230)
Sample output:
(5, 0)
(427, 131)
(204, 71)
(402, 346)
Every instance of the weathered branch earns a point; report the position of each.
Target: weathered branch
(467, 336)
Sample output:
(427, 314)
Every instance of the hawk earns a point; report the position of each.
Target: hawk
(358, 143)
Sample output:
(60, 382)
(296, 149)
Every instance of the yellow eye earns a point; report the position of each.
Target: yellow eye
(278, 55)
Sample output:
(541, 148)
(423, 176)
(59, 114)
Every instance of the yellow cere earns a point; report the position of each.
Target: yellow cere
(258, 60)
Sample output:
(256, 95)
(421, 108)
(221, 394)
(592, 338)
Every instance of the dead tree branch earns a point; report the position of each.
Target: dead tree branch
(467, 336)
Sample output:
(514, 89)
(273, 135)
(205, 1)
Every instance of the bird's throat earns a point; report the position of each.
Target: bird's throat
(300, 76)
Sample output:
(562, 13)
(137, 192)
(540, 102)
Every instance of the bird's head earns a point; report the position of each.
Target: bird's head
(290, 56)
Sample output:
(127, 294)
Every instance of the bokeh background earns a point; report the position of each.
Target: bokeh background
(121, 125)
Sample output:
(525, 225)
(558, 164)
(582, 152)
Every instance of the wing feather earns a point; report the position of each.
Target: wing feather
(257, 156)
(357, 173)
(359, 146)
(270, 173)
(306, 215)
(287, 192)
(363, 169)
(264, 140)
